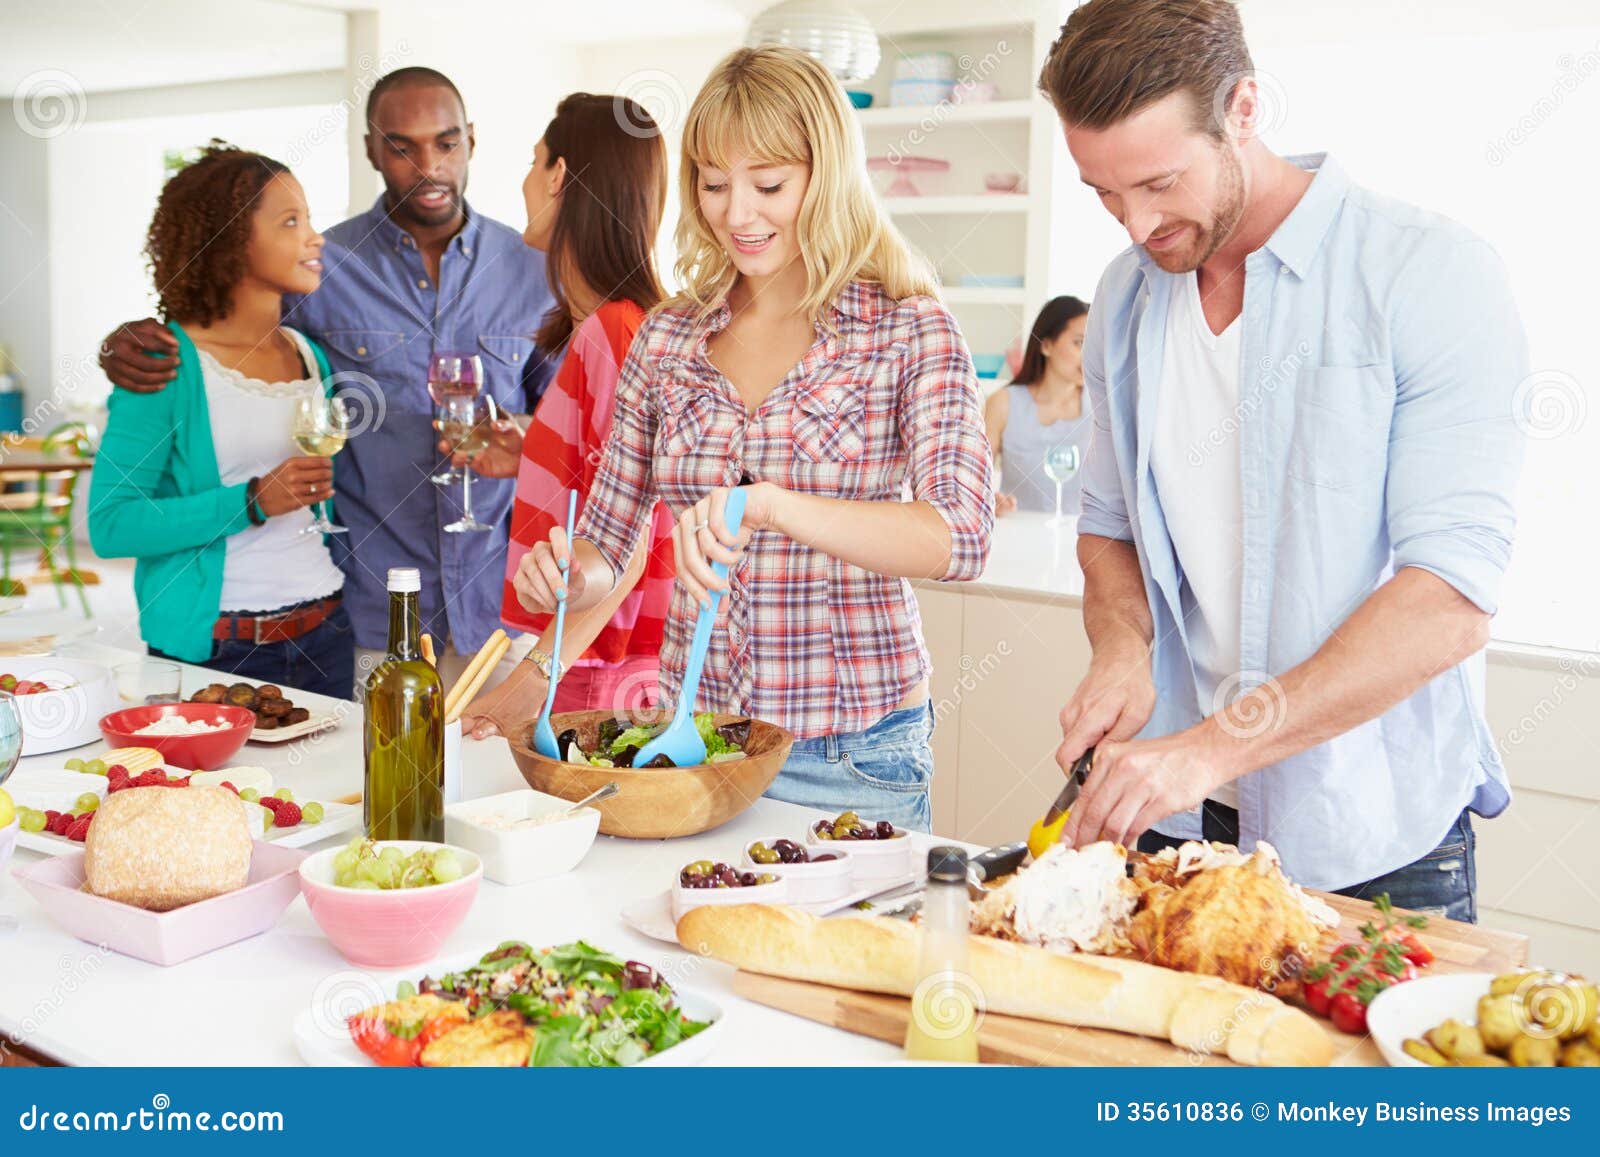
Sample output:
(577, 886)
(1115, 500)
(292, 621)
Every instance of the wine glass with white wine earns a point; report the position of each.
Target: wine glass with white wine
(10, 734)
(464, 426)
(321, 426)
(1060, 465)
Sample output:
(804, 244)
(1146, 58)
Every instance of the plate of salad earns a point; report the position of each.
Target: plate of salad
(568, 1006)
(616, 745)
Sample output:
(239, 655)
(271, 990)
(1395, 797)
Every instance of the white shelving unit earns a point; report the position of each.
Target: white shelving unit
(955, 223)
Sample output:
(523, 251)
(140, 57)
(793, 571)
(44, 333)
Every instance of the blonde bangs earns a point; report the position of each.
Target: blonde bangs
(779, 105)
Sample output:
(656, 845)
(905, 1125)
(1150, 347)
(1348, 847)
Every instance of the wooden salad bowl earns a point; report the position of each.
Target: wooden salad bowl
(656, 803)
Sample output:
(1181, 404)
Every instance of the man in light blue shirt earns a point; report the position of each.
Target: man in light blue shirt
(1346, 575)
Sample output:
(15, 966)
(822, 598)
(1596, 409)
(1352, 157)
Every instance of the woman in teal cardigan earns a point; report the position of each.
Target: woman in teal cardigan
(200, 482)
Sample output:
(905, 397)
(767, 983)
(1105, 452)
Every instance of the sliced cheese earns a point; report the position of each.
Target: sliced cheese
(135, 759)
(241, 777)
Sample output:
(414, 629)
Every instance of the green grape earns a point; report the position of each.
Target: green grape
(74, 765)
(284, 793)
(366, 885)
(32, 821)
(374, 871)
(393, 856)
(345, 861)
(445, 867)
(311, 813)
(250, 795)
(87, 802)
(94, 767)
(266, 822)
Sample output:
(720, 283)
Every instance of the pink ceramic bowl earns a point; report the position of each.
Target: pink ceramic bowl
(204, 752)
(388, 929)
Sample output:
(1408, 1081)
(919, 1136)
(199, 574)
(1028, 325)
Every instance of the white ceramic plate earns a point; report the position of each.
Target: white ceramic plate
(41, 632)
(1402, 1012)
(652, 915)
(327, 1045)
(337, 819)
(297, 731)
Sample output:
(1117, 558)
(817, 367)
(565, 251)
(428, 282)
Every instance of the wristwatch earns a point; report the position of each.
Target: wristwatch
(542, 661)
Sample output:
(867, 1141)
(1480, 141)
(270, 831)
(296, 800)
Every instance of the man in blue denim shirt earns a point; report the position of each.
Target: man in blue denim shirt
(419, 272)
(1297, 503)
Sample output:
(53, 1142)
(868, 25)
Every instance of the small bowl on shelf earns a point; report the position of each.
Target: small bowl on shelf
(810, 882)
(988, 366)
(858, 98)
(202, 751)
(685, 899)
(389, 928)
(1002, 182)
(871, 860)
(522, 835)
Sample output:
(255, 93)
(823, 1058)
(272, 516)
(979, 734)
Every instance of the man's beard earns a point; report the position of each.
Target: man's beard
(1224, 219)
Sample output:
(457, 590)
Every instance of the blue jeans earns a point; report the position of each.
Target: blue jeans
(323, 660)
(1444, 882)
(883, 772)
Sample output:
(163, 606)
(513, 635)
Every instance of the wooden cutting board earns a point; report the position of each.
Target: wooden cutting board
(1013, 1040)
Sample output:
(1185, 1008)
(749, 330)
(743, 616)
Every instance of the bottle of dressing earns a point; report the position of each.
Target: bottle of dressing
(944, 1006)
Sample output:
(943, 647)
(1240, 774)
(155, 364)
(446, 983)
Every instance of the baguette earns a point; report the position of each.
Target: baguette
(1200, 1013)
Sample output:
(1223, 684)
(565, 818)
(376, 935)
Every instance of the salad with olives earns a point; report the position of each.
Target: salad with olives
(849, 826)
(616, 745)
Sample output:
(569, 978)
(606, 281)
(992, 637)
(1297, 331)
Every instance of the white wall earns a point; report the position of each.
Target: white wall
(24, 254)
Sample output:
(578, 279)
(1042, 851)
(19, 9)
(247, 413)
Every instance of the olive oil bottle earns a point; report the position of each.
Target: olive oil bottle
(945, 1006)
(404, 739)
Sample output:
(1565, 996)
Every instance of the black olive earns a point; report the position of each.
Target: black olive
(624, 758)
(565, 740)
(662, 760)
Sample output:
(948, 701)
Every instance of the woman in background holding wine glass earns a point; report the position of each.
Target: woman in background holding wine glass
(1034, 420)
(200, 482)
(599, 234)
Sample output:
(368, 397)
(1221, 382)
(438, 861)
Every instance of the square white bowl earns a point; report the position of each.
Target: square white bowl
(684, 899)
(811, 883)
(522, 855)
(873, 859)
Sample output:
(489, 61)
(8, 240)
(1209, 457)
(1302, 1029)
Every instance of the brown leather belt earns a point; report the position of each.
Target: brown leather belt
(291, 624)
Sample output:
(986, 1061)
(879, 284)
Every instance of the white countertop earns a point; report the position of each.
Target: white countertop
(76, 1003)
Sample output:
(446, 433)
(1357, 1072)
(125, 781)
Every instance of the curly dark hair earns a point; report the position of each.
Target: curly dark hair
(201, 227)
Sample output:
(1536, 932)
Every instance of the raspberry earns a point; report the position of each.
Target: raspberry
(50, 817)
(61, 823)
(286, 814)
(229, 786)
(79, 830)
(271, 802)
(147, 779)
(116, 771)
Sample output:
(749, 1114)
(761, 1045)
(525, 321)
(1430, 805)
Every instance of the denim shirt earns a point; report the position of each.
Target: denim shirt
(380, 318)
(1381, 352)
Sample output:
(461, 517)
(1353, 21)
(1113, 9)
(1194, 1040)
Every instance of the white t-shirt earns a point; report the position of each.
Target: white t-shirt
(271, 566)
(1198, 484)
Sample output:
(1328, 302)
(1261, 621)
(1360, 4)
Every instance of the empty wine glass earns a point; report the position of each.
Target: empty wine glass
(453, 375)
(1060, 464)
(321, 425)
(10, 734)
(464, 422)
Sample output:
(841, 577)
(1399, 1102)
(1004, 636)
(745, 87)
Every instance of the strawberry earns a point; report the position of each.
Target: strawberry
(286, 814)
(79, 830)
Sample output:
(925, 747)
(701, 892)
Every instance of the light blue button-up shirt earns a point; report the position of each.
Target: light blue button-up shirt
(380, 317)
(1381, 352)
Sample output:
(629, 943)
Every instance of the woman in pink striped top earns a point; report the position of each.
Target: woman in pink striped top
(595, 195)
(810, 359)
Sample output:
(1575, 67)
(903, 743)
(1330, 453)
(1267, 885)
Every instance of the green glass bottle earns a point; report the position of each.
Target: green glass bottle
(404, 741)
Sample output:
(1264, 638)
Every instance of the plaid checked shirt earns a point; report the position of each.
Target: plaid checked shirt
(886, 409)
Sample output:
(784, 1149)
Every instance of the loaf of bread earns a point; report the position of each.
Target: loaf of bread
(874, 954)
(162, 847)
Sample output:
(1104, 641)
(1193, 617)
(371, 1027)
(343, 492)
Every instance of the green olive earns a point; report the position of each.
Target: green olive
(764, 855)
(766, 878)
(841, 831)
(848, 818)
(700, 868)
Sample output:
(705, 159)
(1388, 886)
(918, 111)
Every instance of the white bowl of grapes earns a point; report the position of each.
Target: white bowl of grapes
(390, 903)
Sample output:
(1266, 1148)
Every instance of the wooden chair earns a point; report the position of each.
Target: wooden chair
(36, 510)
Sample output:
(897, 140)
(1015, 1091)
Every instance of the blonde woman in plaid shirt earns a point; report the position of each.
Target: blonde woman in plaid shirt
(809, 358)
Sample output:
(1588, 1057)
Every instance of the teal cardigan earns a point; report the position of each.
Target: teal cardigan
(157, 497)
